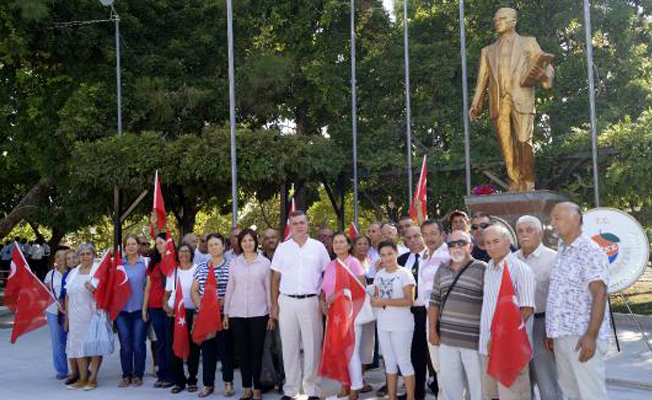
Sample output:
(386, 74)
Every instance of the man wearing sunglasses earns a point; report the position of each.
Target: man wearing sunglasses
(479, 223)
(454, 319)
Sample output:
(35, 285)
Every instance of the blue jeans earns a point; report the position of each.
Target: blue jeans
(132, 332)
(163, 344)
(58, 337)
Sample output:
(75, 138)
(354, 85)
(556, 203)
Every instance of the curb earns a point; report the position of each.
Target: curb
(630, 384)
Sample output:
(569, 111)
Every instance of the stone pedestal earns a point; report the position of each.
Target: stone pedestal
(511, 206)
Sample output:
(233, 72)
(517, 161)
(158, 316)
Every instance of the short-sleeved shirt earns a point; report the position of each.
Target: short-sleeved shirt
(54, 283)
(221, 276)
(540, 261)
(328, 284)
(568, 310)
(459, 320)
(185, 276)
(137, 276)
(301, 267)
(524, 287)
(390, 286)
(248, 288)
(156, 286)
(200, 257)
(427, 271)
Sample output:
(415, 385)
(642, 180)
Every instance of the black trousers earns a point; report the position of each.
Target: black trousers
(221, 344)
(249, 339)
(419, 352)
(193, 358)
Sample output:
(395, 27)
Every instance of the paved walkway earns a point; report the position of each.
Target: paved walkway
(27, 372)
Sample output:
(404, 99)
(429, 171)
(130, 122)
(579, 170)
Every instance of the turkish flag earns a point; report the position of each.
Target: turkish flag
(339, 340)
(209, 318)
(510, 349)
(121, 287)
(353, 231)
(158, 207)
(181, 343)
(104, 290)
(421, 193)
(169, 261)
(26, 296)
(286, 232)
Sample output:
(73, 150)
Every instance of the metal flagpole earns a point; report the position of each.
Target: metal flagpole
(354, 118)
(408, 113)
(594, 132)
(117, 224)
(234, 165)
(465, 99)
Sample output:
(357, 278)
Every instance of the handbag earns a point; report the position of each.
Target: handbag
(99, 338)
(367, 313)
(450, 289)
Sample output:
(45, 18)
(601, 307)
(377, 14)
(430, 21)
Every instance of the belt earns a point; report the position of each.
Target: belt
(300, 296)
(540, 315)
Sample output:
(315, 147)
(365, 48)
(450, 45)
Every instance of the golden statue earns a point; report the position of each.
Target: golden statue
(511, 67)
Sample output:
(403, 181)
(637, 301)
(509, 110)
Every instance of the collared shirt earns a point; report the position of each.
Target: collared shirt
(427, 271)
(459, 321)
(541, 261)
(221, 273)
(53, 281)
(137, 276)
(301, 267)
(248, 289)
(370, 267)
(402, 249)
(524, 287)
(569, 300)
(409, 265)
(200, 257)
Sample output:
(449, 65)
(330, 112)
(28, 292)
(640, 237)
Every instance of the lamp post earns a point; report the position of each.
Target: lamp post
(234, 161)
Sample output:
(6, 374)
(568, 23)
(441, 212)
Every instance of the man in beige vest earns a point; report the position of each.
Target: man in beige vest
(510, 68)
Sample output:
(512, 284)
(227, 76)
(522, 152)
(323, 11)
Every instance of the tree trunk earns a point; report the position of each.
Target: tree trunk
(33, 198)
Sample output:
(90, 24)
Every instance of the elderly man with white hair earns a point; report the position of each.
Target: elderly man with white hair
(541, 259)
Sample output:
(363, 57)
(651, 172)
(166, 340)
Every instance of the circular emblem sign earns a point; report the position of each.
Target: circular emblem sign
(624, 242)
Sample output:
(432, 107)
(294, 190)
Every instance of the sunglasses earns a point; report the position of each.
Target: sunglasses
(457, 243)
(483, 225)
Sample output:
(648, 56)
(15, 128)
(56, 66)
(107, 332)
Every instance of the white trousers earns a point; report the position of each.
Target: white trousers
(367, 342)
(396, 346)
(456, 363)
(300, 322)
(355, 364)
(543, 370)
(585, 381)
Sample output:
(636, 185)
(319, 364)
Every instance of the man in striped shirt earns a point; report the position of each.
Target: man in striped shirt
(455, 309)
(496, 241)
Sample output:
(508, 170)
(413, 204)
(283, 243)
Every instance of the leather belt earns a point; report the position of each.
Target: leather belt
(300, 296)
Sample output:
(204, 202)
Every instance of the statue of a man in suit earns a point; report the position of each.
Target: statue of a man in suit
(510, 68)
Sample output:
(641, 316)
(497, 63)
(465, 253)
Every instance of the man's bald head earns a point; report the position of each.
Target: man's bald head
(566, 221)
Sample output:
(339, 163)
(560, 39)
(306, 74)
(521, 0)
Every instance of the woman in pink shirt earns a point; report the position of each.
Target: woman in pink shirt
(342, 247)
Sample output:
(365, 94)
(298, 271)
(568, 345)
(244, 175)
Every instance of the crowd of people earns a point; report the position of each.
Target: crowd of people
(433, 286)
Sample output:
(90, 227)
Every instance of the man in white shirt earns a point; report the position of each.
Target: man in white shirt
(413, 261)
(297, 266)
(496, 241)
(543, 372)
(373, 231)
(577, 327)
(390, 232)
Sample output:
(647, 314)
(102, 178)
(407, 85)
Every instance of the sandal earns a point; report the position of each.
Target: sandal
(137, 382)
(72, 379)
(124, 383)
(258, 395)
(207, 391)
(228, 389)
(165, 384)
(158, 384)
(366, 388)
(176, 389)
(91, 385)
(249, 397)
(192, 388)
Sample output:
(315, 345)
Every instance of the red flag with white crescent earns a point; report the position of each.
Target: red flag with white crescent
(26, 296)
(181, 342)
(169, 260)
(120, 286)
(339, 339)
(510, 349)
(353, 231)
(158, 207)
(104, 290)
(286, 232)
(421, 193)
(208, 320)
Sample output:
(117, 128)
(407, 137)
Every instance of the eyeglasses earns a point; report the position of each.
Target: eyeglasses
(457, 243)
(483, 225)
(184, 252)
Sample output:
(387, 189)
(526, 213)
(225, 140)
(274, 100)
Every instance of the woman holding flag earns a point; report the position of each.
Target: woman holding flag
(182, 279)
(132, 328)
(246, 310)
(343, 247)
(220, 341)
(153, 310)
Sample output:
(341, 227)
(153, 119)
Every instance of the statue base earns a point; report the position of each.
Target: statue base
(510, 206)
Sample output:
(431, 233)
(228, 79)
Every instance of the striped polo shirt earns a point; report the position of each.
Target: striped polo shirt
(459, 320)
(221, 277)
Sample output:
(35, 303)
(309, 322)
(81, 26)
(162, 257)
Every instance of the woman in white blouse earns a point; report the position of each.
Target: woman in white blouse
(246, 310)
